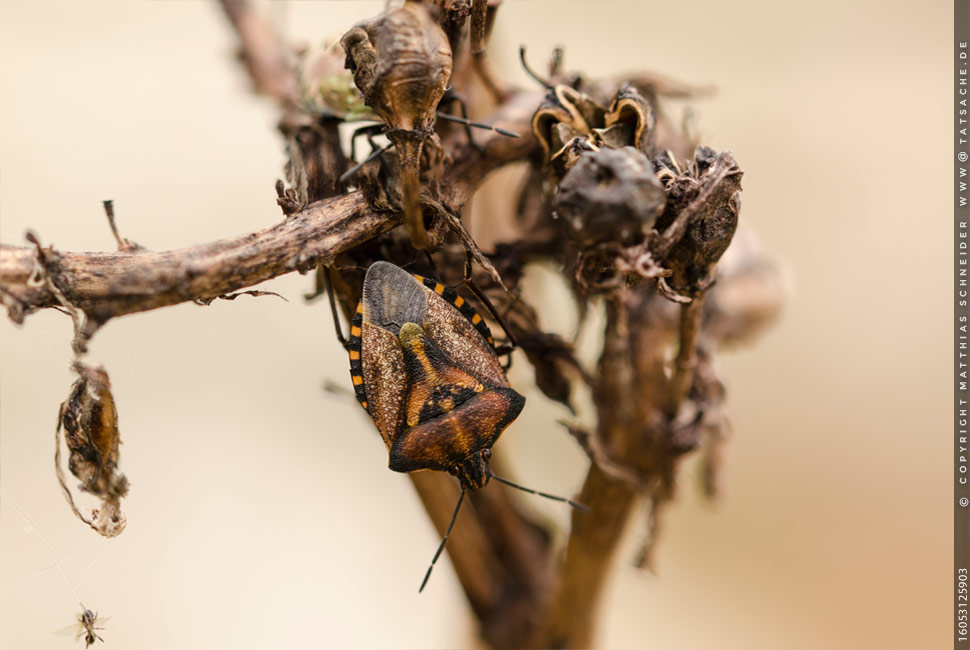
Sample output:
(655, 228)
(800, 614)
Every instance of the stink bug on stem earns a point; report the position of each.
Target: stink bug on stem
(424, 366)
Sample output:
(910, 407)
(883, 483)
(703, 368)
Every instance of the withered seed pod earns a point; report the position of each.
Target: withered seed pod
(401, 62)
(717, 177)
(609, 195)
(565, 113)
(569, 123)
(90, 423)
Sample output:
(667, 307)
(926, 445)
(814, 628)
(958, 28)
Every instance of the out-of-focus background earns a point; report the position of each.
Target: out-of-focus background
(261, 511)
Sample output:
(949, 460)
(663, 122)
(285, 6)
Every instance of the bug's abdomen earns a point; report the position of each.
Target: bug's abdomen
(447, 440)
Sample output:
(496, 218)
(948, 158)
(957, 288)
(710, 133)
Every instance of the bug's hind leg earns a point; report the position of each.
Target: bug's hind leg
(333, 309)
(369, 132)
(510, 343)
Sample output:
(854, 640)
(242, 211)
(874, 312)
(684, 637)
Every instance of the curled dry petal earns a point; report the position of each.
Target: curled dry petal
(90, 423)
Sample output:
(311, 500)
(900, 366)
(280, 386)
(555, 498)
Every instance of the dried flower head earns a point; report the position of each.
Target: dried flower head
(401, 62)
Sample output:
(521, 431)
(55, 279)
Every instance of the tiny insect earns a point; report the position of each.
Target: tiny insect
(85, 628)
(424, 366)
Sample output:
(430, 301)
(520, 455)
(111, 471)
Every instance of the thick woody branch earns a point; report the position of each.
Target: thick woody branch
(106, 285)
(593, 541)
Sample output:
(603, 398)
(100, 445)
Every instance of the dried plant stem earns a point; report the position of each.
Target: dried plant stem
(263, 53)
(593, 541)
(686, 360)
(106, 285)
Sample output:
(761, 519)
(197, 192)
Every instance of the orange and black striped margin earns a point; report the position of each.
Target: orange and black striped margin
(451, 297)
(353, 347)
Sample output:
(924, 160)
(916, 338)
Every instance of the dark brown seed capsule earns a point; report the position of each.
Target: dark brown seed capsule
(711, 189)
(609, 195)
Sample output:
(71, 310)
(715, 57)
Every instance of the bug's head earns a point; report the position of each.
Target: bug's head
(473, 472)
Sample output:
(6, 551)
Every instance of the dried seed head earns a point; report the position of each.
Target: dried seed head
(748, 296)
(401, 62)
(609, 195)
(629, 121)
(567, 114)
(326, 85)
(711, 187)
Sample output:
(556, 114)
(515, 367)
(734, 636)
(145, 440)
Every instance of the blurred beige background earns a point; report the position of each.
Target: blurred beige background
(262, 514)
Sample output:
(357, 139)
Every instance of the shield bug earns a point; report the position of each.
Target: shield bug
(424, 366)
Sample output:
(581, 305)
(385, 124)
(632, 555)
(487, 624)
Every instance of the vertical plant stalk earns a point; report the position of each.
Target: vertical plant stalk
(686, 360)
(569, 621)
(593, 541)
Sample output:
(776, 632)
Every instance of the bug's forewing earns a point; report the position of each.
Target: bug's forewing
(455, 334)
(74, 629)
(392, 297)
(384, 379)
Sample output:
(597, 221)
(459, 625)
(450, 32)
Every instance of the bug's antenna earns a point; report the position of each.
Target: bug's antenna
(578, 506)
(444, 539)
(478, 125)
(542, 82)
(356, 168)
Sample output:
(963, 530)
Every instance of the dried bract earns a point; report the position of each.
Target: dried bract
(566, 114)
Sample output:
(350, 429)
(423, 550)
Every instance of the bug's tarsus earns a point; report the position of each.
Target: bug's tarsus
(431, 263)
(525, 66)
(478, 125)
(333, 309)
(368, 131)
(356, 168)
(441, 547)
(578, 506)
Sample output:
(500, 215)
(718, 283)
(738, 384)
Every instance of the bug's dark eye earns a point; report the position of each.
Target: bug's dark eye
(487, 453)
(453, 471)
